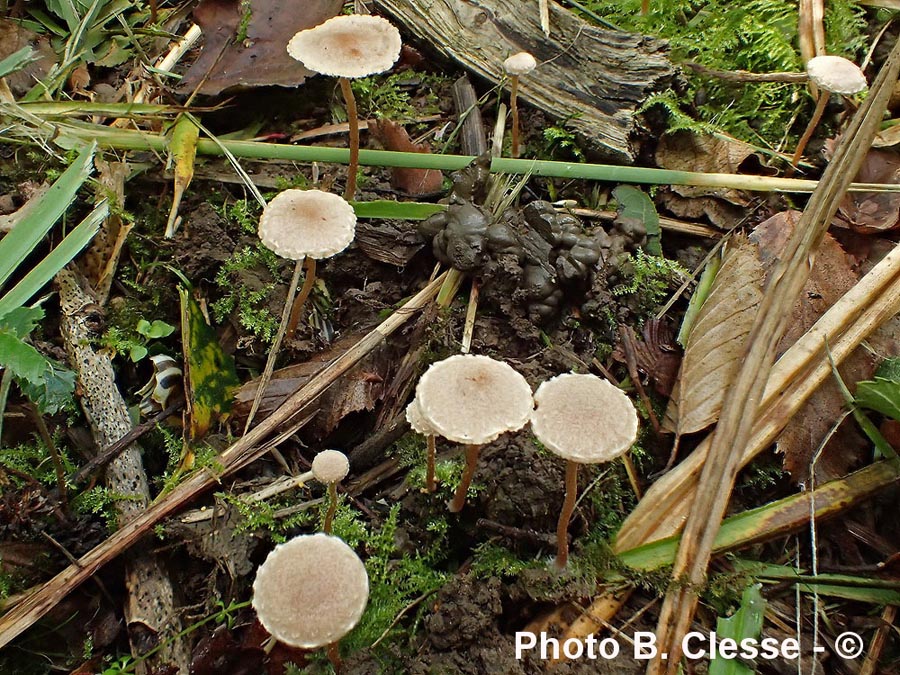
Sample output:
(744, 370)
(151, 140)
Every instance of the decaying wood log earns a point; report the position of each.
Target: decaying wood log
(150, 606)
(596, 77)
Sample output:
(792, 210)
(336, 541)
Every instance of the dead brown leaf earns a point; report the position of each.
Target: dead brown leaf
(259, 60)
(715, 346)
(14, 37)
(657, 355)
(870, 212)
(412, 182)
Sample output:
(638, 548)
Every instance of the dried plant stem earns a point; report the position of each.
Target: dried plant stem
(430, 483)
(514, 108)
(353, 120)
(562, 527)
(308, 281)
(273, 352)
(810, 128)
(332, 507)
(471, 311)
(734, 432)
(459, 497)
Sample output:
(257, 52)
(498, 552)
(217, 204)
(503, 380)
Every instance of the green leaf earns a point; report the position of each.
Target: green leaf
(16, 61)
(24, 361)
(386, 208)
(54, 391)
(157, 329)
(58, 258)
(698, 297)
(43, 213)
(209, 372)
(634, 204)
(889, 369)
(137, 352)
(746, 623)
(881, 395)
(22, 320)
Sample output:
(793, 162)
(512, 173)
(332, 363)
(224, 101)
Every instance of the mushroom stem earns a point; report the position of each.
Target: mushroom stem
(514, 107)
(353, 121)
(810, 128)
(562, 527)
(459, 497)
(300, 300)
(430, 484)
(334, 656)
(273, 353)
(332, 507)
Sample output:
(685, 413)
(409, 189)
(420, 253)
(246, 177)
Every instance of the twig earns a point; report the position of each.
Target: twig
(745, 76)
(870, 664)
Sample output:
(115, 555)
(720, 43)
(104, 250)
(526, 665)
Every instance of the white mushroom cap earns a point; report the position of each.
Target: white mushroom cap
(473, 399)
(310, 591)
(836, 74)
(418, 423)
(584, 418)
(307, 223)
(354, 45)
(330, 466)
(520, 64)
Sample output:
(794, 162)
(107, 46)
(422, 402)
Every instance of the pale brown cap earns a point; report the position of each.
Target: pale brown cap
(307, 223)
(353, 45)
(418, 423)
(310, 591)
(472, 399)
(330, 466)
(520, 64)
(836, 74)
(584, 418)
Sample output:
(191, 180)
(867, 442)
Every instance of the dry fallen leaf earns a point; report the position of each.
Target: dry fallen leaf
(261, 58)
(14, 37)
(870, 212)
(716, 342)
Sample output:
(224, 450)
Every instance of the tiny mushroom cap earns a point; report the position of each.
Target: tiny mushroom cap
(310, 591)
(520, 64)
(330, 466)
(418, 423)
(307, 223)
(584, 418)
(350, 46)
(473, 399)
(836, 74)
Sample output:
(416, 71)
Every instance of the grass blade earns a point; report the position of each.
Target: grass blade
(386, 208)
(43, 214)
(58, 258)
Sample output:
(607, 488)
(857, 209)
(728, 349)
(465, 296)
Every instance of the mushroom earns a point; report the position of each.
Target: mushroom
(585, 420)
(330, 467)
(832, 75)
(421, 426)
(349, 46)
(310, 592)
(472, 399)
(516, 65)
(301, 225)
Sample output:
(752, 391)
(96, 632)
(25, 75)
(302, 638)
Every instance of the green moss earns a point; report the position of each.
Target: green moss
(249, 304)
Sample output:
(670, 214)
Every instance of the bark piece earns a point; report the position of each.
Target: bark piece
(149, 609)
(596, 78)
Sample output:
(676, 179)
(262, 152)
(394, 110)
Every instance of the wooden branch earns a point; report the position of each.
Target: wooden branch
(594, 78)
(150, 603)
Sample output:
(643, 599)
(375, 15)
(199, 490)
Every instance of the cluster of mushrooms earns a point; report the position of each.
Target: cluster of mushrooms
(313, 589)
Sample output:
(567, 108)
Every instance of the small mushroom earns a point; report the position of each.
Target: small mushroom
(330, 467)
(585, 420)
(348, 47)
(473, 399)
(301, 225)
(516, 65)
(832, 75)
(421, 426)
(310, 592)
